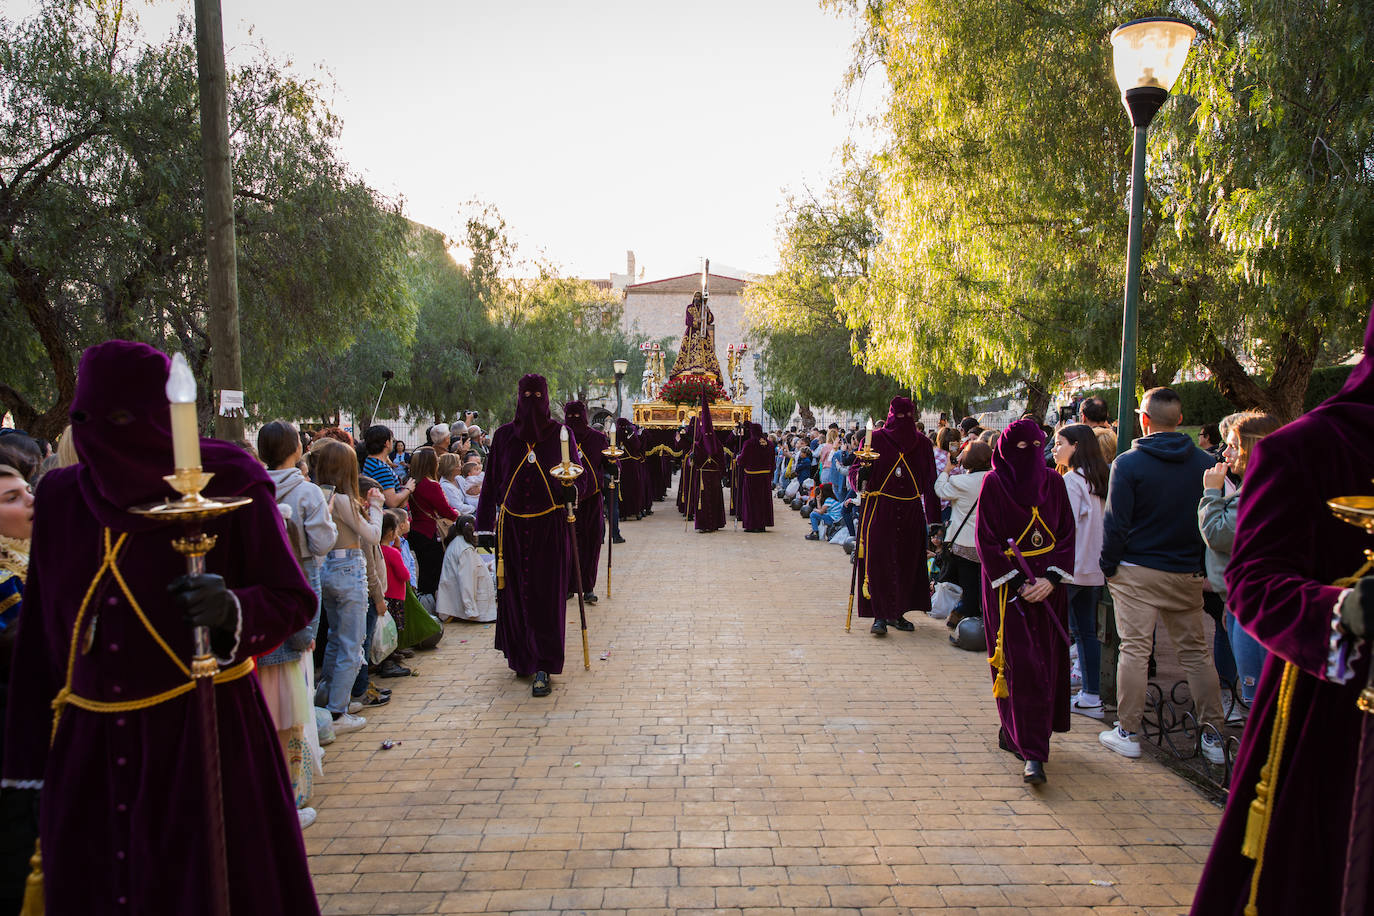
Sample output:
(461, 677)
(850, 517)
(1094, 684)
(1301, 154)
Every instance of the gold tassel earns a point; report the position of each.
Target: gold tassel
(866, 593)
(1258, 817)
(33, 886)
(1000, 690)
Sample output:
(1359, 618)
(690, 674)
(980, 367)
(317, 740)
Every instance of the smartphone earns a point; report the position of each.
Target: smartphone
(328, 490)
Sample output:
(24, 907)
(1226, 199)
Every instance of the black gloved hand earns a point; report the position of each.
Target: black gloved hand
(204, 601)
(1357, 610)
(487, 539)
(863, 475)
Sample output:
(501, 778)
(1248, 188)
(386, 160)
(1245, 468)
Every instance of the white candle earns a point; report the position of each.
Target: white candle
(181, 393)
(868, 437)
(563, 441)
(612, 436)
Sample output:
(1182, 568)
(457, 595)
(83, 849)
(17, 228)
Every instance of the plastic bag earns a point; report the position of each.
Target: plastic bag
(945, 599)
(423, 630)
(383, 639)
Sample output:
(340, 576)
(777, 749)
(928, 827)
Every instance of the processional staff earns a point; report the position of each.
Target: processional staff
(866, 455)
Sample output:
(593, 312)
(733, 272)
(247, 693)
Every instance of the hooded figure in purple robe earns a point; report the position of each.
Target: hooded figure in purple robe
(755, 462)
(522, 504)
(708, 469)
(898, 505)
(116, 783)
(655, 468)
(631, 471)
(684, 441)
(591, 518)
(1289, 549)
(1025, 502)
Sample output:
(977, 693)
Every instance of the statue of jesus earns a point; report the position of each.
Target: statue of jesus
(697, 355)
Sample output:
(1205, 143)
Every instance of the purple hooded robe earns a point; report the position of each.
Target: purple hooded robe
(121, 790)
(685, 439)
(755, 463)
(1289, 548)
(708, 467)
(899, 498)
(631, 470)
(523, 505)
(591, 519)
(1025, 501)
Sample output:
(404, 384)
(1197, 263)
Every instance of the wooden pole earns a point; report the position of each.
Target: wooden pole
(226, 367)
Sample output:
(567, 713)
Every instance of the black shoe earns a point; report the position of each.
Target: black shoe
(1005, 744)
(617, 540)
(952, 620)
(375, 697)
(813, 536)
(393, 668)
(901, 623)
(385, 691)
(879, 627)
(589, 597)
(541, 686)
(1034, 774)
(405, 653)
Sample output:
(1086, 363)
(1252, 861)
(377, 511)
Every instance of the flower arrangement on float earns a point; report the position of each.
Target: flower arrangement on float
(686, 389)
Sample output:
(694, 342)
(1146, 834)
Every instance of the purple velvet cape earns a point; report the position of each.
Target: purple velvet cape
(709, 466)
(1288, 549)
(631, 470)
(591, 516)
(656, 464)
(892, 526)
(121, 791)
(1036, 653)
(534, 542)
(755, 463)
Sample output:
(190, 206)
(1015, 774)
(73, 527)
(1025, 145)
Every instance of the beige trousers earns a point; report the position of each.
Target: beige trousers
(1144, 596)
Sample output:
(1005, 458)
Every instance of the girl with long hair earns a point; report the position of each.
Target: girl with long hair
(343, 580)
(427, 506)
(1078, 458)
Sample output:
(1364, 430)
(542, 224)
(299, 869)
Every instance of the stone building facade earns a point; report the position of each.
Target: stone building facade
(657, 308)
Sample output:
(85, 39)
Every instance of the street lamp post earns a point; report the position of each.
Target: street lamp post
(1147, 55)
(620, 366)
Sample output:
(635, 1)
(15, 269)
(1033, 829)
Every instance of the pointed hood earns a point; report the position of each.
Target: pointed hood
(122, 430)
(706, 432)
(1020, 469)
(575, 416)
(901, 423)
(533, 421)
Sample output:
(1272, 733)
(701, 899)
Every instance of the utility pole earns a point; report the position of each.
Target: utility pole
(226, 366)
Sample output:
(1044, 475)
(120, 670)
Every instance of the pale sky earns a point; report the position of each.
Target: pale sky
(672, 129)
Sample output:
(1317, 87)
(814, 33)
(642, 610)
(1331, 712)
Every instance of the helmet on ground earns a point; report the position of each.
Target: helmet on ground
(968, 634)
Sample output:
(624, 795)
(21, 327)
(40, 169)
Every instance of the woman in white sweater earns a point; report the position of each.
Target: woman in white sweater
(1078, 457)
(466, 588)
(962, 492)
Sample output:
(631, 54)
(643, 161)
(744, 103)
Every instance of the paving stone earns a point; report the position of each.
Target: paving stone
(737, 752)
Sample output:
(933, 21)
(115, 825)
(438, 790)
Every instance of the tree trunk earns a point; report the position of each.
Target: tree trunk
(1037, 399)
(1156, 375)
(959, 410)
(1292, 372)
(807, 417)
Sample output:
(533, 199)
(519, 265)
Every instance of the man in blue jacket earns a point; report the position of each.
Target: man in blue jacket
(1152, 557)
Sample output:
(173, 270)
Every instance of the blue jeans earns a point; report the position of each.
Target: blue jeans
(817, 516)
(1083, 626)
(1250, 657)
(361, 681)
(343, 590)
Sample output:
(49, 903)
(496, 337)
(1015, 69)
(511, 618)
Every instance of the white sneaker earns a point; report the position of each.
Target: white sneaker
(1087, 705)
(1234, 712)
(1125, 743)
(1213, 748)
(307, 816)
(355, 706)
(1073, 653)
(348, 723)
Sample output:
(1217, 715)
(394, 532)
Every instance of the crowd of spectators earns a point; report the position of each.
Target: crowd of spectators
(1153, 526)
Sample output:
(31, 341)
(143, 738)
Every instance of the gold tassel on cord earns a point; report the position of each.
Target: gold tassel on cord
(33, 886)
(1261, 809)
(1000, 688)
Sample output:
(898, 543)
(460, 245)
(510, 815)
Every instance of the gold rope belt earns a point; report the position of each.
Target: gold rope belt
(65, 697)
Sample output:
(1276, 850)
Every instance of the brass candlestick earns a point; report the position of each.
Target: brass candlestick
(567, 473)
(1358, 511)
(190, 511)
(867, 454)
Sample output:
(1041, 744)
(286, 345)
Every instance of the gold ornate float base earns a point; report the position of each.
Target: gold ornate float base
(663, 415)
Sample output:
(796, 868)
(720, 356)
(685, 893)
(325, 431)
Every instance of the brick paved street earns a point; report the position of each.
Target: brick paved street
(737, 753)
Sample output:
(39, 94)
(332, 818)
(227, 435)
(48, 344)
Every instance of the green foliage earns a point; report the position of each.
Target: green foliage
(779, 403)
(1001, 194)
(826, 246)
(100, 210)
(1325, 383)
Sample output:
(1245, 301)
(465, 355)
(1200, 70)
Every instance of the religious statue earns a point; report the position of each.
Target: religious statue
(697, 355)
